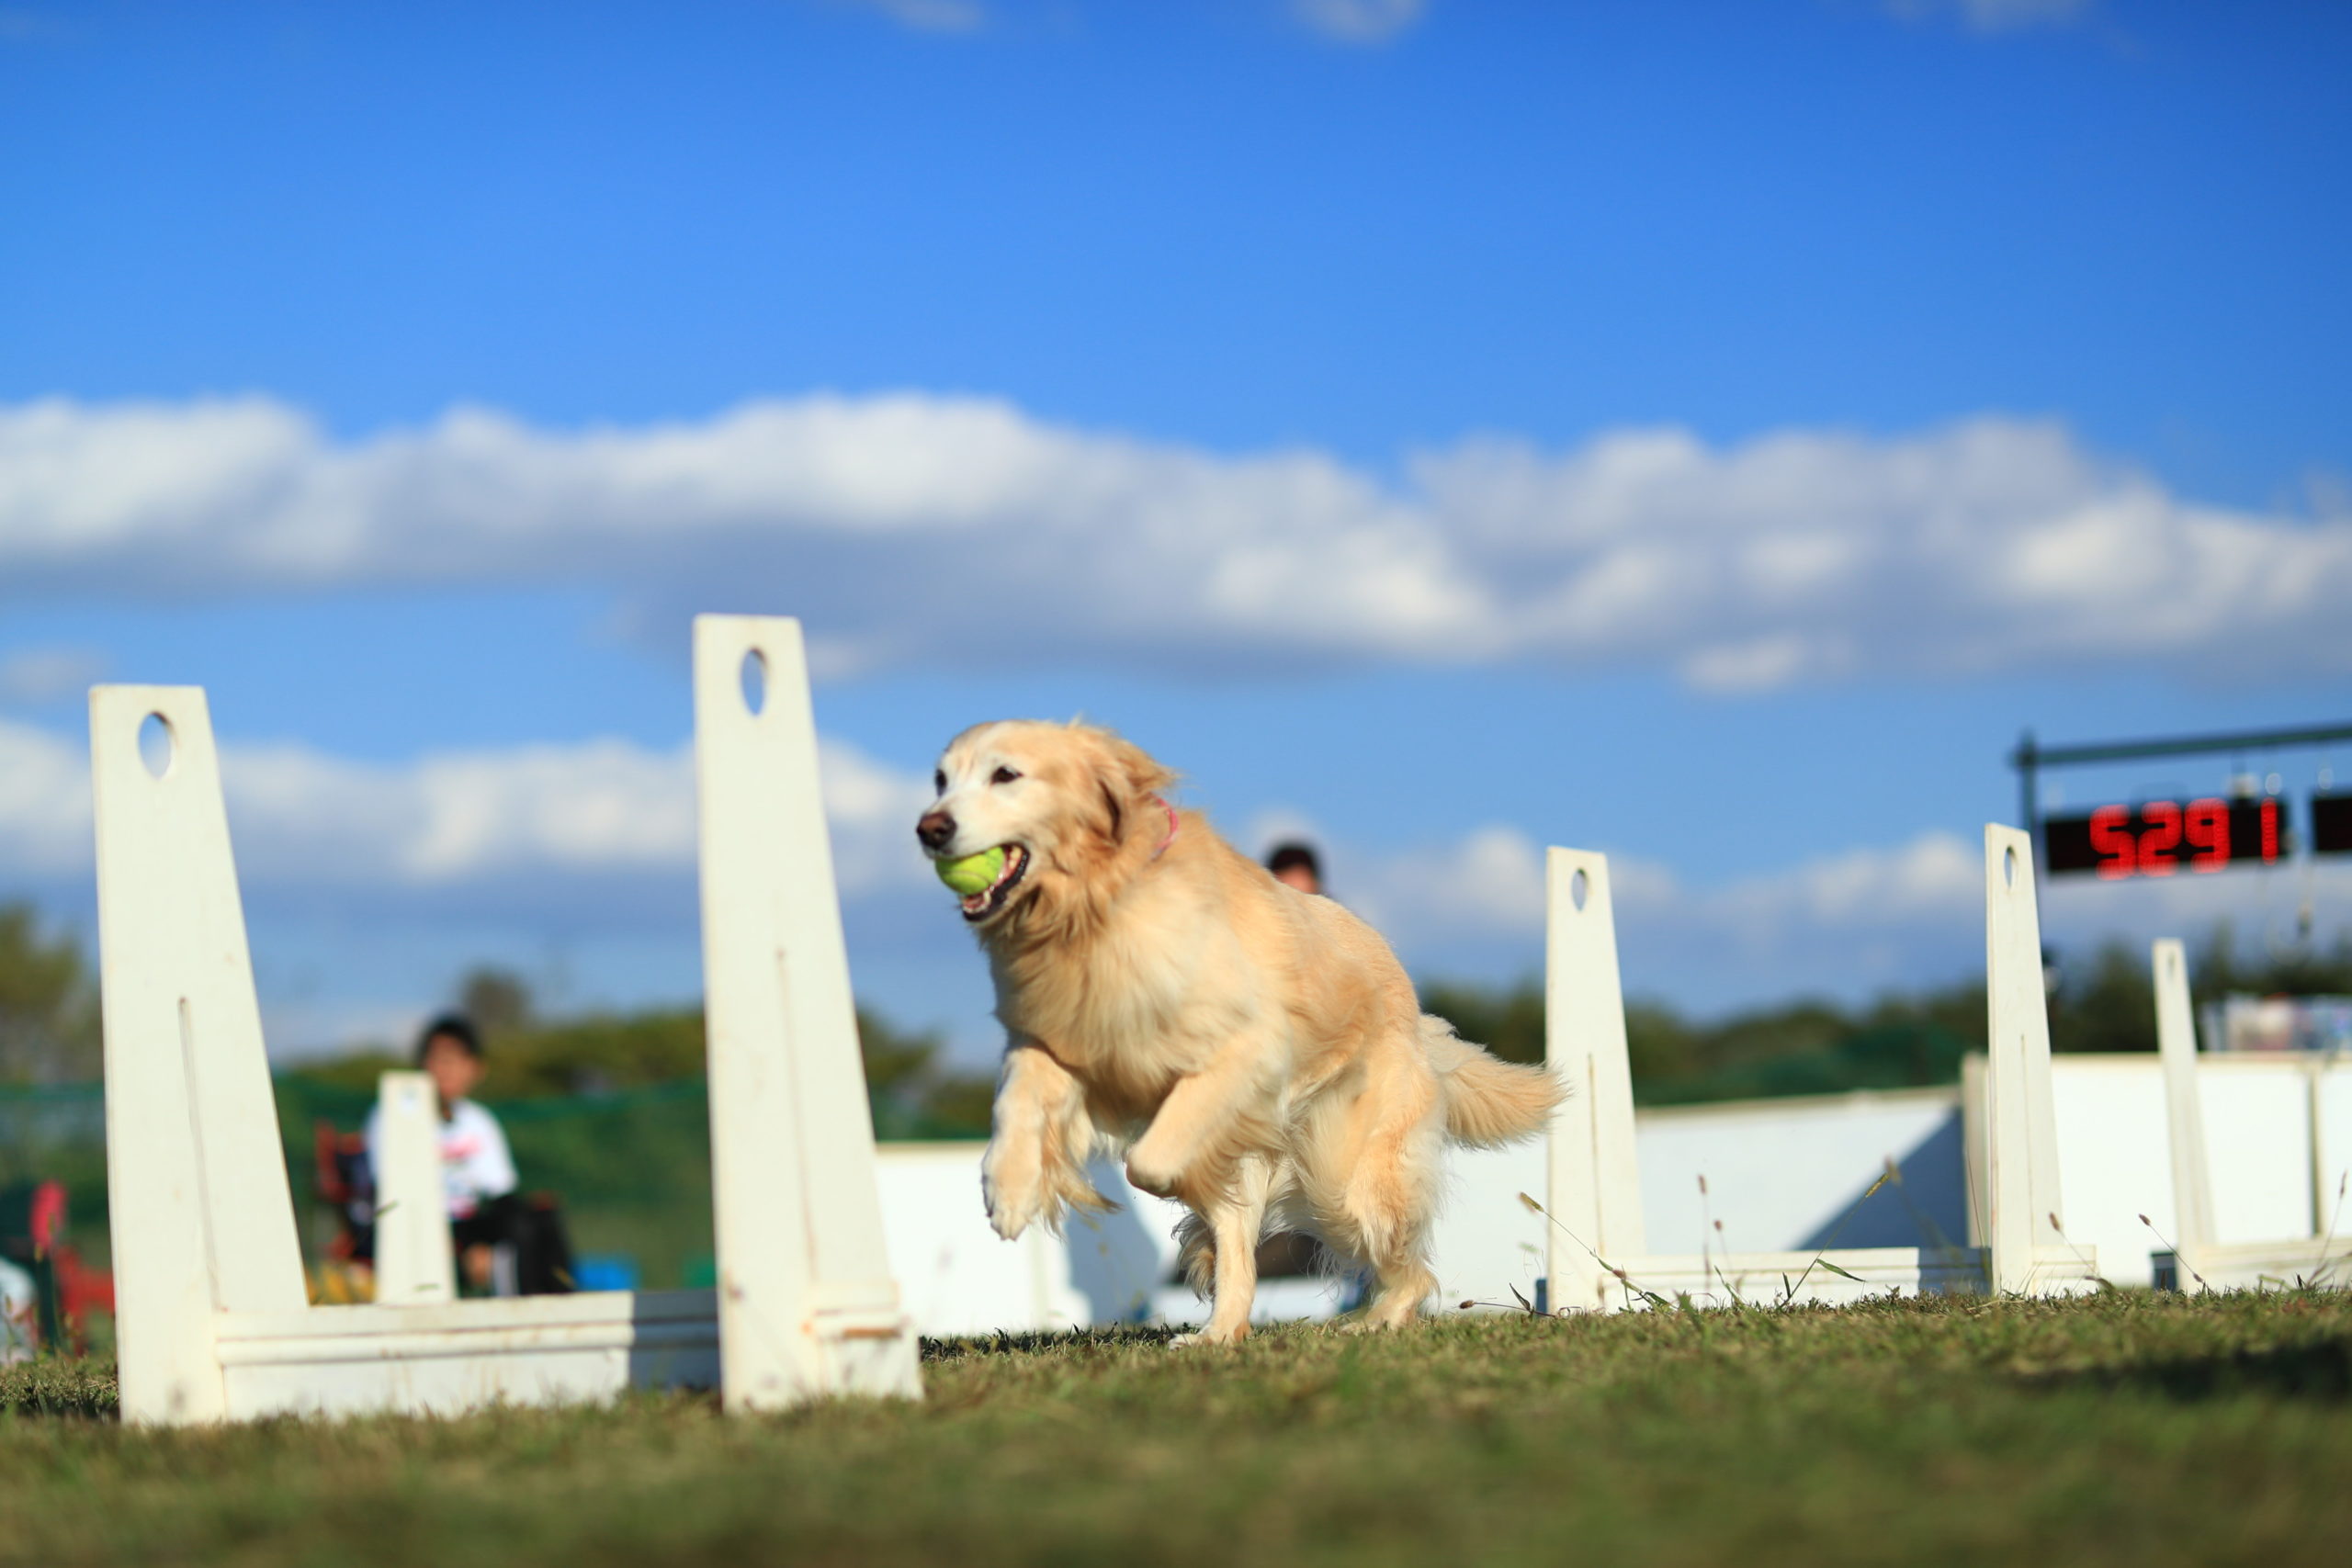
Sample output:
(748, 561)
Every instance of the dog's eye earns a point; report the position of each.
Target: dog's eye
(939, 781)
(1003, 775)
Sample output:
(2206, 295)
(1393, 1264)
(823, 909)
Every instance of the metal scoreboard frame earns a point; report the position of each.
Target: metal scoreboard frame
(2176, 836)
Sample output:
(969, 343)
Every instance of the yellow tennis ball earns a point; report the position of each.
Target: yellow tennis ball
(973, 873)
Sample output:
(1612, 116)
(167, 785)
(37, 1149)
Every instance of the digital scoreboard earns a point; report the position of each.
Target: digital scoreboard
(2165, 838)
(2330, 824)
(2180, 834)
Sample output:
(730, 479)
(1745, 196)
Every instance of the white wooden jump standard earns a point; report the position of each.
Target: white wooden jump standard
(1594, 1179)
(2025, 1220)
(807, 1305)
(414, 1261)
(2199, 1260)
(203, 1221)
(211, 1319)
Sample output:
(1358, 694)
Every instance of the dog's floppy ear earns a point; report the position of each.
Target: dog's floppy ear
(1140, 773)
(1126, 776)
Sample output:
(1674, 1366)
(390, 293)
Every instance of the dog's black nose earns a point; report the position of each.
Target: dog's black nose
(935, 828)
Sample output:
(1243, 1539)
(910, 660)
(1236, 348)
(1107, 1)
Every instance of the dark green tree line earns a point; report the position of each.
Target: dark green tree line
(2104, 1000)
(49, 1003)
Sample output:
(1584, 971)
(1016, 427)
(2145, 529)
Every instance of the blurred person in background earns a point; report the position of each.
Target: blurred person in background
(1296, 865)
(486, 1214)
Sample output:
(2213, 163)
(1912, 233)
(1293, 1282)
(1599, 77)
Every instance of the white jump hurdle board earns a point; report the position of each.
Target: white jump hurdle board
(1598, 1254)
(414, 1262)
(2199, 1260)
(211, 1318)
(806, 1306)
(2028, 1248)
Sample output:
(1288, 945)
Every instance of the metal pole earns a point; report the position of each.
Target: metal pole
(2030, 797)
(2026, 760)
(2242, 740)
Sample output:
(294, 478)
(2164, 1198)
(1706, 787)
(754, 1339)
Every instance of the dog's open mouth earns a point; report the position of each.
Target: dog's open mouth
(979, 906)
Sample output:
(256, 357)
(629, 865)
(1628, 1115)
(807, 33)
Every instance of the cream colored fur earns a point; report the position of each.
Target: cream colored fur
(1258, 1052)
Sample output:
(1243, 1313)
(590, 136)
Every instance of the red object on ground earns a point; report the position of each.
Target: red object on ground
(81, 1291)
(47, 1219)
(335, 1157)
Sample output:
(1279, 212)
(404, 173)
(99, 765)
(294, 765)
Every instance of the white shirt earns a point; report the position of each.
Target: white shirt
(475, 1163)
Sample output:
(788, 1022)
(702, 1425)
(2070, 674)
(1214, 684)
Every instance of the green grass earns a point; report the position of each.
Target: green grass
(2125, 1428)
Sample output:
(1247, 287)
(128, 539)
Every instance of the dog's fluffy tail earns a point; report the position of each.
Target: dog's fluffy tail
(1488, 1102)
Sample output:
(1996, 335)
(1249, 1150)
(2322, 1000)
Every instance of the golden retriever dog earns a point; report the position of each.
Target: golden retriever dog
(1257, 1050)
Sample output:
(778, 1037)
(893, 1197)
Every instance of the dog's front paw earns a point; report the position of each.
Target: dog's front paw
(1014, 1188)
(1147, 1174)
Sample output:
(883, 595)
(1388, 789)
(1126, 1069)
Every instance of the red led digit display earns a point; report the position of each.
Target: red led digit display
(2208, 834)
(2157, 838)
(2155, 851)
(2113, 846)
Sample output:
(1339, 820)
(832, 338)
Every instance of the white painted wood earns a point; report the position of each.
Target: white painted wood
(1815, 1277)
(2192, 1183)
(2027, 1221)
(467, 1355)
(1976, 1143)
(1783, 1170)
(1593, 1177)
(211, 1316)
(2260, 1266)
(1596, 1254)
(2332, 1145)
(2201, 1259)
(1780, 1174)
(807, 1304)
(202, 1214)
(2115, 1154)
(413, 1265)
(1053, 1301)
(2114, 1161)
(2264, 1120)
(958, 1276)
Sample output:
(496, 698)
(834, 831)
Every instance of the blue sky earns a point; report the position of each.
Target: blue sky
(1705, 432)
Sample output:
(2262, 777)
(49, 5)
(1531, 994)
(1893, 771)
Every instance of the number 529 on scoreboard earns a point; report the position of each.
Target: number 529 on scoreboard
(2159, 838)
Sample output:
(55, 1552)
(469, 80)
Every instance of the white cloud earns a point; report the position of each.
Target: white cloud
(1359, 21)
(370, 883)
(44, 803)
(534, 827)
(46, 675)
(1851, 924)
(551, 831)
(544, 815)
(1932, 877)
(913, 528)
(1490, 882)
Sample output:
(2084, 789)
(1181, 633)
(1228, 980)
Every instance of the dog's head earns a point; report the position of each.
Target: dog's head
(1063, 801)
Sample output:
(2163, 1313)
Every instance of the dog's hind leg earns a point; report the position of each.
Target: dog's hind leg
(1225, 1246)
(1387, 1204)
